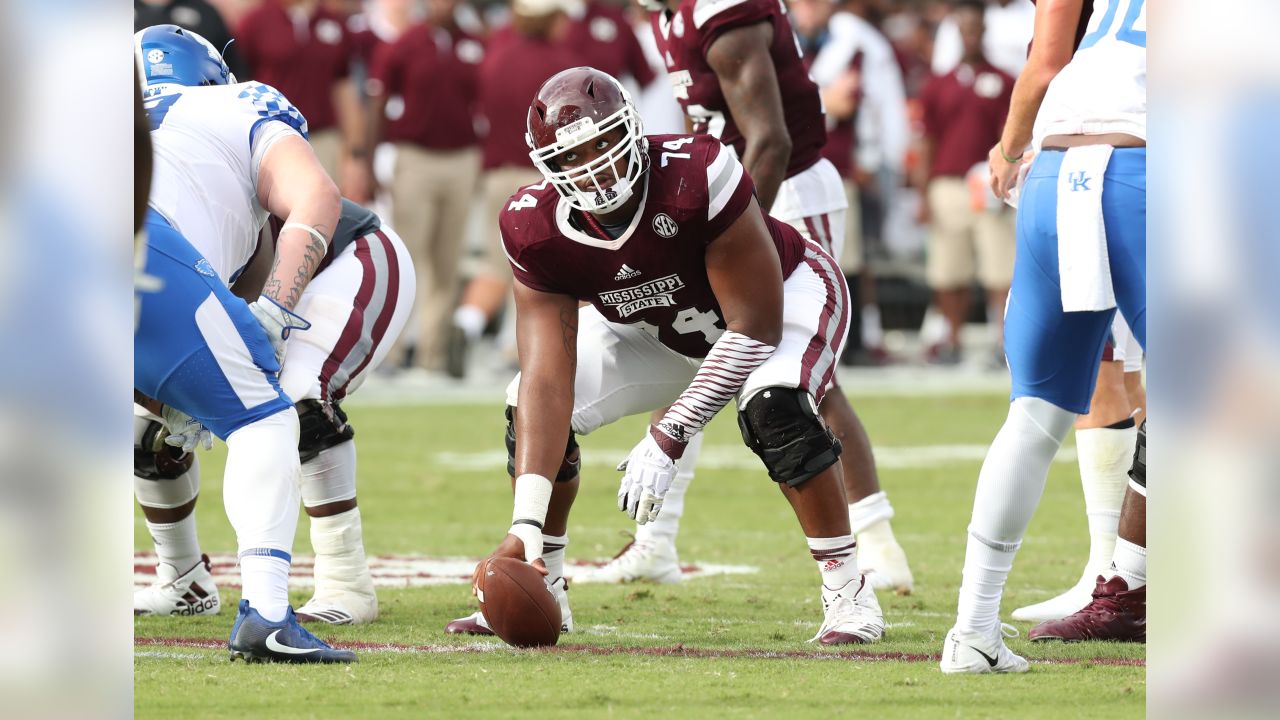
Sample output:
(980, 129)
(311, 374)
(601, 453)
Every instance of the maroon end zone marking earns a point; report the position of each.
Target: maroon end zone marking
(676, 651)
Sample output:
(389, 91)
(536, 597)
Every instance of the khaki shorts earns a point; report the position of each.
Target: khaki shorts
(498, 185)
(853, 258)
(964, 243)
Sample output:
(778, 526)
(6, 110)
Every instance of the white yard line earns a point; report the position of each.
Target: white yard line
(738, 457)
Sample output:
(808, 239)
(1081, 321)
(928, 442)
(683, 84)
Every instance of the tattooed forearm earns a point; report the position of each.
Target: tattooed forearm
(290, 274)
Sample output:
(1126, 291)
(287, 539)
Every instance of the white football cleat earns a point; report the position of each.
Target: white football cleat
(560, 591)
(340, 608)
(473, 624)
(885, 564)
(1068, 603)
(970, 652)
(189, 593)
(476, 624)
(639, 561)
(852, 615)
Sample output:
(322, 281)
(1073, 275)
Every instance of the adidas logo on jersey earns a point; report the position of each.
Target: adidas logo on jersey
(626, 272)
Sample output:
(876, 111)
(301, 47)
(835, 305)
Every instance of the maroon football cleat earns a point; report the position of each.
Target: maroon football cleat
(1117, 614)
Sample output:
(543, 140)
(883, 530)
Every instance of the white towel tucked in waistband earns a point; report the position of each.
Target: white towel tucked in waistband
(1083, 266)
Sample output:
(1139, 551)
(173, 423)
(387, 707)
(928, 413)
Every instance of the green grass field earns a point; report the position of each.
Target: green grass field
(724, 646)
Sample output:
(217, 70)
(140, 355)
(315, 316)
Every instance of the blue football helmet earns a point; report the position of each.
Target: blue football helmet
(170, 54)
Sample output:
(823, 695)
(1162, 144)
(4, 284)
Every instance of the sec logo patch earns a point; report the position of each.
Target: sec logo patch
(664, 225)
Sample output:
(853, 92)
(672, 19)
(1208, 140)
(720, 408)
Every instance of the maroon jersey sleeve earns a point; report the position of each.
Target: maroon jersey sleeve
(525, 226)
(729, 188)
(713, 18)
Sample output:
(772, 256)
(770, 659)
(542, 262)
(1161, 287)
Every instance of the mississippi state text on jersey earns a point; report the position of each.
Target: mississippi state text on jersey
(685, 36)
(209, 143)
(655, 274)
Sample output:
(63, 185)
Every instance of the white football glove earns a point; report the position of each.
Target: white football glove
(648, 472)
(185, 431)
(277, 321)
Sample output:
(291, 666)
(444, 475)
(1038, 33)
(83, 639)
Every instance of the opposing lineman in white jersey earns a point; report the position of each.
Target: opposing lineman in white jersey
(209, 146)
(226, 155)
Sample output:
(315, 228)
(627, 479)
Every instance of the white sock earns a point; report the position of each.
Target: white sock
(872, 330)
(986, 566)
(1130, 563)
(837, 559)
(176, 543)
(1104, 456)
(266, 585)
(471, 319)
(553, 555)
(667, 526)
(260, 494)
(1009, 489)
(338, 542)
(868, 511)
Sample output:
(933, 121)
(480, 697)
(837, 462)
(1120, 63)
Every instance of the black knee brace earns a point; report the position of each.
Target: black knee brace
(154, 460)
(781, 425)
(320, 427)
(569, 469)
(1138, 471)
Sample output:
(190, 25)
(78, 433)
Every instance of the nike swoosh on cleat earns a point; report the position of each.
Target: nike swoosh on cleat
(273, 644)
(990, 660)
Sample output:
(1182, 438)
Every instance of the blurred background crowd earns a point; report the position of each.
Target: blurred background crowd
(417, 108)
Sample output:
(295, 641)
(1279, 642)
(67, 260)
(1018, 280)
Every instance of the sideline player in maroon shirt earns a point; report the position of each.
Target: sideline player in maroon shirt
(696, 297)
(600, 33)
(737, 71)
(303, 48)
(433, 67)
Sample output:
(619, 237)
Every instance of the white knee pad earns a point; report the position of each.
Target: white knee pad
(168, 494)
(330, 476)
(161, 492)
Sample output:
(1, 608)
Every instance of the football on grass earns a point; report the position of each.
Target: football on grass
(517, 604)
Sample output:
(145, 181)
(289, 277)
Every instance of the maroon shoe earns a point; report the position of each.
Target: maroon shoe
(473, 624)
(1117, 614)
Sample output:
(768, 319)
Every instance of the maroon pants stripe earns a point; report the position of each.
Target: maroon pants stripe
(352, 330)
(819, 341)
(388, 308)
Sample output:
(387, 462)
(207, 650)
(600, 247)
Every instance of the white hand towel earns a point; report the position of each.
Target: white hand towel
(1083, 266)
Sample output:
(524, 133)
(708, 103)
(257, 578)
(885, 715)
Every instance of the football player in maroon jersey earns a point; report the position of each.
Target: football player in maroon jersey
(696, 297)
(737, 71)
